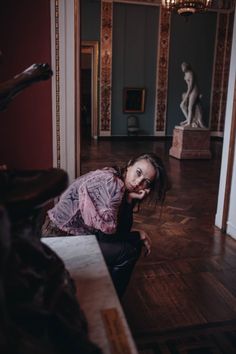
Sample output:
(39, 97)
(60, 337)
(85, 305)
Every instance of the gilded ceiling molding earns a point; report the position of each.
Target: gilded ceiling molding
(106, 67)
(221, 72)
(162, 73)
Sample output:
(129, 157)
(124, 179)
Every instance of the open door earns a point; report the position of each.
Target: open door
(89, 89)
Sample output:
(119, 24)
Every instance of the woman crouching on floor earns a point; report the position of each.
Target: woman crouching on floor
(101, 203)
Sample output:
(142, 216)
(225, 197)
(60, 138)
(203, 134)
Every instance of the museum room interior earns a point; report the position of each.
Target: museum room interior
(113, 80)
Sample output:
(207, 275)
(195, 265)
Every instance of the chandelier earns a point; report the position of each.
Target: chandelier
(186, 7)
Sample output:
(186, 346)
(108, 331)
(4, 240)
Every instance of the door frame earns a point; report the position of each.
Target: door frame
(65, 50)
(91, 47)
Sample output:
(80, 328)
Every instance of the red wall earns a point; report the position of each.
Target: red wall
(26, 125)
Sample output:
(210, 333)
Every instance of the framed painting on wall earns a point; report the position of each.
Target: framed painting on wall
(134, 100)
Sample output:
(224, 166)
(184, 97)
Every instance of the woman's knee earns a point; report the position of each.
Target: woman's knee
(119, 250)
(132, 251)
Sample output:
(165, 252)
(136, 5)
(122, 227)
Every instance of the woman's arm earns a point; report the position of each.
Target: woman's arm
(145, 239)
(100, 199)
(131, 197)
(137, 195)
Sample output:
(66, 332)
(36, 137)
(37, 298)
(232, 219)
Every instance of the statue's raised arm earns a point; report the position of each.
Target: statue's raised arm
(10, 88)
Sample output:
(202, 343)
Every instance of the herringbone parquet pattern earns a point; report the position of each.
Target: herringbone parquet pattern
(182, 298)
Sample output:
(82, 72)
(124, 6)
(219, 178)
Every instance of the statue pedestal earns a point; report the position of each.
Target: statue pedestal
(190, 143)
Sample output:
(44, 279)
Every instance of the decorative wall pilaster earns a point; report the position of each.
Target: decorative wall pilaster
(106, 68)
(162, 72)
(221, 72)
(56, 82)
(228, 45)
(226, 204)
(63, 84)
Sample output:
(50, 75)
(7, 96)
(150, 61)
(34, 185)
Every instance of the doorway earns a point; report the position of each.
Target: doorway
(89, 89)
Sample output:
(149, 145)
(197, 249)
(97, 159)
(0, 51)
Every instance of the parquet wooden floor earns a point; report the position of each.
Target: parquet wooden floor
(182, 298)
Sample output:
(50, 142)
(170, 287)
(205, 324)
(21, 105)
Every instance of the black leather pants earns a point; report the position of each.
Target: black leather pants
(120, 252)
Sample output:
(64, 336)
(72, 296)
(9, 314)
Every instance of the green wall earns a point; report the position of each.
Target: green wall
(90, 20)
(191, 41)
(134, 62)
(135, 34)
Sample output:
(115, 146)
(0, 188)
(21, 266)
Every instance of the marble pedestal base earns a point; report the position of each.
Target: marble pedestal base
(190, 143)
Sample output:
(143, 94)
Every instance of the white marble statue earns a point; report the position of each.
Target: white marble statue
(191, 105)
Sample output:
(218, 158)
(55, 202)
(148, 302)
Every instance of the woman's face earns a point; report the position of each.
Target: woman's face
(140, 176)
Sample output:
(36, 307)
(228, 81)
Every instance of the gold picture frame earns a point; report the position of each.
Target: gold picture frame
(134, 100)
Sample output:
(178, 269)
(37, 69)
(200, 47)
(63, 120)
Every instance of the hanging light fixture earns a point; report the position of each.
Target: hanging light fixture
(186, 7)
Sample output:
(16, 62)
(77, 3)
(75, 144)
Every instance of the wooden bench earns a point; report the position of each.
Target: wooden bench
(95, 291)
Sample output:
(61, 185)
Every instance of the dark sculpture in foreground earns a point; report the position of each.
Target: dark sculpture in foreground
(39, 311)
(9, 89)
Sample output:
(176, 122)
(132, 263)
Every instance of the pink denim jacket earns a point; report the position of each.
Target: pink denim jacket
(90, 203)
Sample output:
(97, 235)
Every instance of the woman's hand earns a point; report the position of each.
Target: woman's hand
(140, 195)
(146, 241)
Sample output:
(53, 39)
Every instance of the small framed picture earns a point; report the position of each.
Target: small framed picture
(134, 100)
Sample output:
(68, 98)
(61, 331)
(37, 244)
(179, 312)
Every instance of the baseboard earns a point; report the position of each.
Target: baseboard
(145, 137)
(218, 220)
(231, 230)
(137, 137)
(216, 138)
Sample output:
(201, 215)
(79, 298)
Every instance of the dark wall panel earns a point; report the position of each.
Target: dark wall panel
(191, 41)
(135, 36)
(26, 125)
(135, 30)
(90, 20)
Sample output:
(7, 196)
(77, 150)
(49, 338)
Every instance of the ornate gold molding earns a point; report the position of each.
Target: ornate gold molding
(221, 71)
(162, 71)
(226, 66)
(57, 83)
(106, 67)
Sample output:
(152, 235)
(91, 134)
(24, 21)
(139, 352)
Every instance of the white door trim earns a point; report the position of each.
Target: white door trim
(63, 85)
